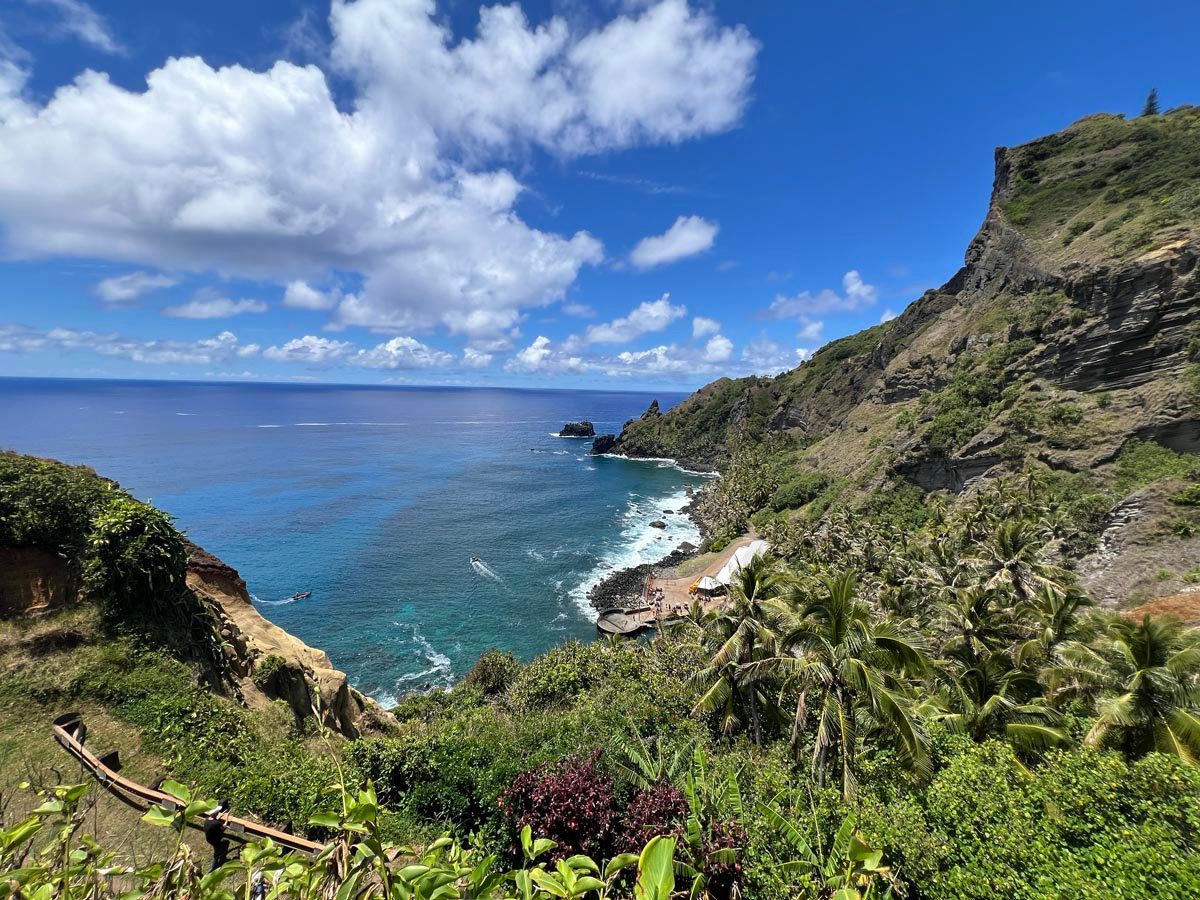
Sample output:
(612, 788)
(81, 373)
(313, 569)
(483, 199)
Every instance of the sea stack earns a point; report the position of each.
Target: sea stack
(583, 429)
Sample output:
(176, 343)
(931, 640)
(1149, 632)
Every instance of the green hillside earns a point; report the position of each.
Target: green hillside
(1068, 335)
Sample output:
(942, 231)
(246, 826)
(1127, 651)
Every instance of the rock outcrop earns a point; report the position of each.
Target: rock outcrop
(583, 429)
(300, 675)
(605, 443)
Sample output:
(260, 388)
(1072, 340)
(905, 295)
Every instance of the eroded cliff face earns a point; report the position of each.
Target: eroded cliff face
(34, 581)
(1083, 281)
(306, 679)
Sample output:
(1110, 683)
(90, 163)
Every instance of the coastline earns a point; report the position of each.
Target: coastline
(686, 466)
(623, 588)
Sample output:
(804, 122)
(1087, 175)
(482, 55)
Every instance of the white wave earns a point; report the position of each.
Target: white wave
(338, 424)
(640, 542)
(185, 414)
(533, 554)
(270, 426)
(664, 462)
(286, 601)
(437, 672)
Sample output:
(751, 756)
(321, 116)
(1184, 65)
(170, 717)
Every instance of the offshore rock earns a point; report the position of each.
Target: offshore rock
(583, 429)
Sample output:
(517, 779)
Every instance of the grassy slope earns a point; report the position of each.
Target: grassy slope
(152, 708)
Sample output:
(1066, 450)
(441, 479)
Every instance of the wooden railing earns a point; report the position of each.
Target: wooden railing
(71, 732)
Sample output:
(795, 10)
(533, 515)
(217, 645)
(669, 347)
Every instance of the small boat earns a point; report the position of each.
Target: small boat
(300, 596)
(476, 559)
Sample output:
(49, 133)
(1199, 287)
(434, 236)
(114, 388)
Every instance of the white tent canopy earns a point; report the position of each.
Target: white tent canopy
(741, 557)
(708, 584)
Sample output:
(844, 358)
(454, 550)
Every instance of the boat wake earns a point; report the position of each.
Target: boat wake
(483, 569)
(286, 601)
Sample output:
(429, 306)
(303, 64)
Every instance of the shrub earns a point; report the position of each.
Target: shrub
(1077, 228)
(799, 490)
(1145, 462)
(1065, 413)
(1184, 528)
(987, 827)
(560, 674)
(1189, 496)
(446, 773)
(46, 504)
(657, 810)
(493, 672)
(573, 803)
(266, 670)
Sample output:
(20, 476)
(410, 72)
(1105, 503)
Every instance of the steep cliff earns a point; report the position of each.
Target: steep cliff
(270, 663)
(1068, 331)
(70, 537)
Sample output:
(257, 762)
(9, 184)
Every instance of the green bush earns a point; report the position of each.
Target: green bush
(1189, 496)
(799, 490)
(986, 827)
(493, 672)
(47, 504)
(1145, 462)
(266, 670)
(1065, 413)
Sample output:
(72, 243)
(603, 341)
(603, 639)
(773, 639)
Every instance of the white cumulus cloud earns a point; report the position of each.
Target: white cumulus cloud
(300, 295)
(718, 349)
(405, 183)
(402, 353)
(223, 347)
(207, 305)
(702, 327)
(476, 359)
(856, 294)
(127, 288)
(310, 349)
(687, 237)
(653, 315)
(542, 356)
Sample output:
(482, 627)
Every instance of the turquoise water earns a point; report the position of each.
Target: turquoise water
(375, 499)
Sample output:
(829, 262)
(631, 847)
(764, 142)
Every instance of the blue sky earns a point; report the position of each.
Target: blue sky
(619, 194)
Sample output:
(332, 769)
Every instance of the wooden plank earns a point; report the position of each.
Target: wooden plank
(68, 730)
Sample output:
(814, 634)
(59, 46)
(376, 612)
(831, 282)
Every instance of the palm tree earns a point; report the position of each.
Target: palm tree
(992, 698)
(851, 664)
(975, 625)
(742, 632)
(1014, 558)
(1055, 611)
(1146, 678)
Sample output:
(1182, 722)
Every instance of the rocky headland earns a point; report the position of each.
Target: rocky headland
(271, 664)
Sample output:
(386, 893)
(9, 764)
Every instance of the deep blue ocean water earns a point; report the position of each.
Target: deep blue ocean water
(375, 499)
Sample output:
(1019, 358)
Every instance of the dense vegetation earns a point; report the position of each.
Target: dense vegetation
(1108, 184)
(129, 556)
(932, 709)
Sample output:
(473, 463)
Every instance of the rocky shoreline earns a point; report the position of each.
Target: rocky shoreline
(622, 589)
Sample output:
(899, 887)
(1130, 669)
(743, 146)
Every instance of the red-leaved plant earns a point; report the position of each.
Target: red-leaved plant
(658, 810)
(573, 803)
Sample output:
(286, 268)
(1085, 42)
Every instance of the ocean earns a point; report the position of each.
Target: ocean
(375, 499)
